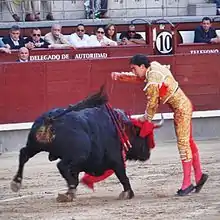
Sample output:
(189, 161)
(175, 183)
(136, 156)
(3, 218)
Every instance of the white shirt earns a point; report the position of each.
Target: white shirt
(23, 61)
(16, 43)
(93, 41)
(76, 41)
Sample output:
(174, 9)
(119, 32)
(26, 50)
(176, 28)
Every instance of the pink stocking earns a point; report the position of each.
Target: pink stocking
(196, 159)
(187, 168)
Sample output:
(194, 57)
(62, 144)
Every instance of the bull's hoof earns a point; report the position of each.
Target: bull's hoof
(15, 186)
(124, 195)
(66, 197)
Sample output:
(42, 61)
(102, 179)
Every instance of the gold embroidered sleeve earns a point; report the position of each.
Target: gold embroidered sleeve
(129, 77)
(152, 93)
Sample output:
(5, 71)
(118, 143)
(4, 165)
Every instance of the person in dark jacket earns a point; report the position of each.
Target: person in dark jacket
(205, 33)
(14, 40)
(35, 40)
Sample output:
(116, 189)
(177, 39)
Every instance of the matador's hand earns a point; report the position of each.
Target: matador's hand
(115, 75)
(142, 118)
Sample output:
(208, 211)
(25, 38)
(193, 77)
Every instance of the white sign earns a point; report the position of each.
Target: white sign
(50, 57)
(164, 42)
(204, 51)
(80, 56)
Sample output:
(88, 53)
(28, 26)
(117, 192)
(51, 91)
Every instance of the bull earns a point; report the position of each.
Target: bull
(85, 139)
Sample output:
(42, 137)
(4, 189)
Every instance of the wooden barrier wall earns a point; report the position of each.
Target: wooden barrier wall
(28, 89)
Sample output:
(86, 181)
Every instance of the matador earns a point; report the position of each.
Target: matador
(161, 87)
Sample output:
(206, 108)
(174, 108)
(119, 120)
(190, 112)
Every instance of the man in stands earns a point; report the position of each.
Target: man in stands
(79, 38)
(11, 8)
(23, 55)
(14, 40)
(35, 40)
(205, 33)
(131, 37)
(98, 6)
(32, 8)
(56, 39)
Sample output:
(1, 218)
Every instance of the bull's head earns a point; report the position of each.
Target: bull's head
(141, 143)
(140, 149)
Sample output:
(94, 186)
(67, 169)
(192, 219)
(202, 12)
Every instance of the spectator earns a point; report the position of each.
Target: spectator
(131, 37)
(55, 38)
(23, 55)
(79, 38)
(110, 32)
(35, 40)
(33, 7)
(100, 40)
(205, 33)
(217, 2)
(98, 6)
(14, 40)
(11, 8)
(4, 48)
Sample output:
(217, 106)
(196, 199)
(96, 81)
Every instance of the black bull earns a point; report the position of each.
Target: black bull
(84, 139)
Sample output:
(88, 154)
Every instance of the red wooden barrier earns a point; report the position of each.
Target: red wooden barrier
(198, 48)
(28, 89)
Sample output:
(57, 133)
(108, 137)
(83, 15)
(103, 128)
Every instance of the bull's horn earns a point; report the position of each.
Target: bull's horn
(159, 124)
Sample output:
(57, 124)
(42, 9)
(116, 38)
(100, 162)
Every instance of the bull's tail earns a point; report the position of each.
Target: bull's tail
(95, 100)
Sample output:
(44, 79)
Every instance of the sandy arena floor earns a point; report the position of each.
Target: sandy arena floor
(154, 183)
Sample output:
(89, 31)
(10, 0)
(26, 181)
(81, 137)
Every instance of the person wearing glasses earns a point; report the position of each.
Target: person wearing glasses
(100, 40)
(35, 40)
(131, 37)
(79, 38)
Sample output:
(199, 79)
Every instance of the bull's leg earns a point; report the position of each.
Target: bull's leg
(72, 179)
(25, 154)
(120, 172)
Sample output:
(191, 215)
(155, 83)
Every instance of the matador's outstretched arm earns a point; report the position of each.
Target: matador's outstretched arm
(127, 77)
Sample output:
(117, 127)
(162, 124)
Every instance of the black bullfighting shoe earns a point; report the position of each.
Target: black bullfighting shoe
(184, 192)
(201, 182)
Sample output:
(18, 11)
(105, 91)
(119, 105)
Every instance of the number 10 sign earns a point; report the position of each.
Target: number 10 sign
(164, 42)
